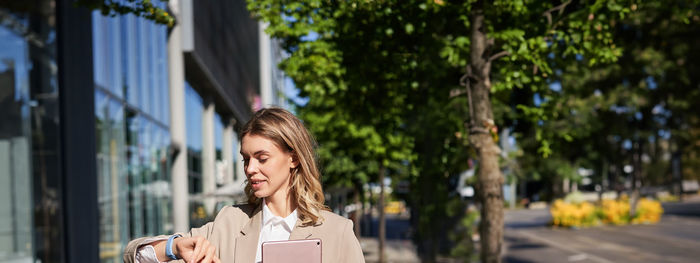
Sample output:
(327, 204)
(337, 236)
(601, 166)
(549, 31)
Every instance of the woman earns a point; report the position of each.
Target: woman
(285, 202)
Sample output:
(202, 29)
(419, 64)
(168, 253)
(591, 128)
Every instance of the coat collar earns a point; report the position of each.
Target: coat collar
(301, 232)
(246, 243)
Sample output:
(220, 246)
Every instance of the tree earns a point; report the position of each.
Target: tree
(628, 113)
(354, 107)
(531, 37)
(644, 99)
(361, 65)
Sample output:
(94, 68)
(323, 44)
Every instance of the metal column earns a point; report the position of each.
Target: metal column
(77, 133)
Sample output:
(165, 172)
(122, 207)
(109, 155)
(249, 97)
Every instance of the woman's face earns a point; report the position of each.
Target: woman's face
(267, 167)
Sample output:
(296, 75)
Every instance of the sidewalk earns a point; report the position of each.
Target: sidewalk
(396, 250)
(692, 198)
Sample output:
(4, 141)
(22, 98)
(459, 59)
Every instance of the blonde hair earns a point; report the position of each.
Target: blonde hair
(288, 133)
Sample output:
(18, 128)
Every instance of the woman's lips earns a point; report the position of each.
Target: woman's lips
(256, 184)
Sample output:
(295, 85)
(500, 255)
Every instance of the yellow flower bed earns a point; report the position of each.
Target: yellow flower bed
(573, 215)
(648, 212)
(614, 212)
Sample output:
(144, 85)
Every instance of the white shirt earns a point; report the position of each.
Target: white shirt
(274, 228)
(146, 254)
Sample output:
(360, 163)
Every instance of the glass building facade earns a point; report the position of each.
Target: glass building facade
(29, 133)
(131, 111)
(194, 104)
(193, 118)
(85, 154)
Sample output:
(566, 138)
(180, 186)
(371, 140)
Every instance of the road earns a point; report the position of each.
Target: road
(676, 238)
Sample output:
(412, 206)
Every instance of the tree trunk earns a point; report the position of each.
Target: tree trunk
(370, 222)
(636, 176)
(490, 178)
(603, 179)
(359, 211)
(676, 170)
(382, 218)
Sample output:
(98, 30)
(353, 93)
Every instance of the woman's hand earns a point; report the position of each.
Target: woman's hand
(195, 250)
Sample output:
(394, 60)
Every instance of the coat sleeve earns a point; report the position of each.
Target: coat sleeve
(353, 252)
(133, 246)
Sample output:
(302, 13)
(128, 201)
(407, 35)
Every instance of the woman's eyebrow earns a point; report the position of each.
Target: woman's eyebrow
(261, 152)
(257, 153)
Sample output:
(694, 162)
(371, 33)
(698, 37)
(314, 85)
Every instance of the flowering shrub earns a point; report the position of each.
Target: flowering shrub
(616, 212)
(573, 214)
(648, 211)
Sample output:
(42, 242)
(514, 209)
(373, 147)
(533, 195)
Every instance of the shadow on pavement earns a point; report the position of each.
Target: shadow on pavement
(682, 209)
(541, 222)
(510, 259)
(521, 244)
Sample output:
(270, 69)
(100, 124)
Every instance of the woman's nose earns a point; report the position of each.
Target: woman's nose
(251, 167)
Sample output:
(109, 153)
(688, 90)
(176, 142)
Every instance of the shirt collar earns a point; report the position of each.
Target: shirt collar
(269, 218)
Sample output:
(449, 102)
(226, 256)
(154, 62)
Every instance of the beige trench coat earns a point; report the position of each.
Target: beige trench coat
(236, 229)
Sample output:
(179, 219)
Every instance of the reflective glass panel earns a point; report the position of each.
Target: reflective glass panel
(15, 144)
(134, 181)
(111, 166)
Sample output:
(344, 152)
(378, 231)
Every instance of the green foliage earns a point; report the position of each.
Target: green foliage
(143, 8)
(464, 248)
(378, 75)
(543, 36)
(607, 113)
(374, 99)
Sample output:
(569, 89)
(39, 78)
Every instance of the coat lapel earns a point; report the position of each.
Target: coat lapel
(301, 232)
(247, 242)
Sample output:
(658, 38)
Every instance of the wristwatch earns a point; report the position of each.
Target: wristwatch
(169, 247)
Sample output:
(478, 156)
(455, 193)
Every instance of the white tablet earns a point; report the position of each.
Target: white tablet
(292, 251)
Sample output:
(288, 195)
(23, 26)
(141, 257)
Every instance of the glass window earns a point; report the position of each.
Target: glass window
(147, 175)
(107, 54)
(152, 87)
(164, 179)
(163, 74)
(218, 135)
(114, 50)
(134, 204)
(193, 117)
(134, 179)
(111, 167)
(131, 71)
(30, 204)
(15, 140)
(218, 142)
(99, 58)
(142, 65)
